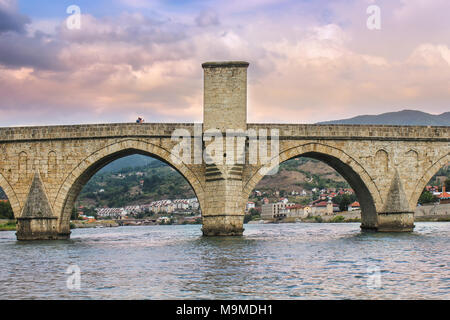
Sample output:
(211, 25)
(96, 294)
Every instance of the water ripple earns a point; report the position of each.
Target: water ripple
(281, 261)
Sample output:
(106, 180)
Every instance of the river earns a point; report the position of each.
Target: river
(271, 261)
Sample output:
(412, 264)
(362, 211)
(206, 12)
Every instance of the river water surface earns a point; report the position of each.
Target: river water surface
(271, 261)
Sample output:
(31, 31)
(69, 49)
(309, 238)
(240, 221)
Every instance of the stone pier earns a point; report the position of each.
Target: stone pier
(224, 108)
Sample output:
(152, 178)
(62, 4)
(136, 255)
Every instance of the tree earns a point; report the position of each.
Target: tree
(74, 215)
(252, 215)
(150, 183)
(6, 211)
(447, 184)
(343, 201)
(427, 197)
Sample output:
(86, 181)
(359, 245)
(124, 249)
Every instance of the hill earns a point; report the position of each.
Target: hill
(135, 160)
(404, 117)
(157, 181)
(134, 185)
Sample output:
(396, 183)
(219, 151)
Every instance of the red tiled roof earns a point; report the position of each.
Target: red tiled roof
(355, 204)
(321, 204)
(444, 195)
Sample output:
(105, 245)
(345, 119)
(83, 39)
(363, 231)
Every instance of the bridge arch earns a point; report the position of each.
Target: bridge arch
(426, 177)
(84, 171)
(11, 195)
(359, 179)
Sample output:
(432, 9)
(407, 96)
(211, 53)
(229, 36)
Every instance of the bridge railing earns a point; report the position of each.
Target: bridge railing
(165, 130)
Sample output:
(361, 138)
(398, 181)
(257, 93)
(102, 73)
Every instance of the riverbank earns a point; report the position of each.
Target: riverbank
(438, 214)
(78, 224)
(437, 218)
(7, 225)
(10, 225)
(313, 219)
(343, 219)
(425, 213)
(74, 224)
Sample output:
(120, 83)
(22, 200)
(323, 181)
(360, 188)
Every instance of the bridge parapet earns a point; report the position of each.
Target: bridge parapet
(92, 131)
(356, 132)
(287, 131)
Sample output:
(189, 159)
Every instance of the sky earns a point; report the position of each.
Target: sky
(310, 61)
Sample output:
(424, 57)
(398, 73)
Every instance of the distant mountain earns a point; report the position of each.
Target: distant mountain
(132, 161)
(404, 117)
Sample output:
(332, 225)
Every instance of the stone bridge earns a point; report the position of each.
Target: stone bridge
(43, 169)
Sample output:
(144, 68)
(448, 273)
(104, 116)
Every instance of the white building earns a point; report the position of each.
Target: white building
(250, 205)
(273, 210)
(114, 213)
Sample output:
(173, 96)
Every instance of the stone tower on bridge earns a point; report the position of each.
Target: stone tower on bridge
(43, 169)
(224, 108)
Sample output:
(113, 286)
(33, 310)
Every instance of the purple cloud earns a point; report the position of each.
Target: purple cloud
(10, 20)
(117, 67)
